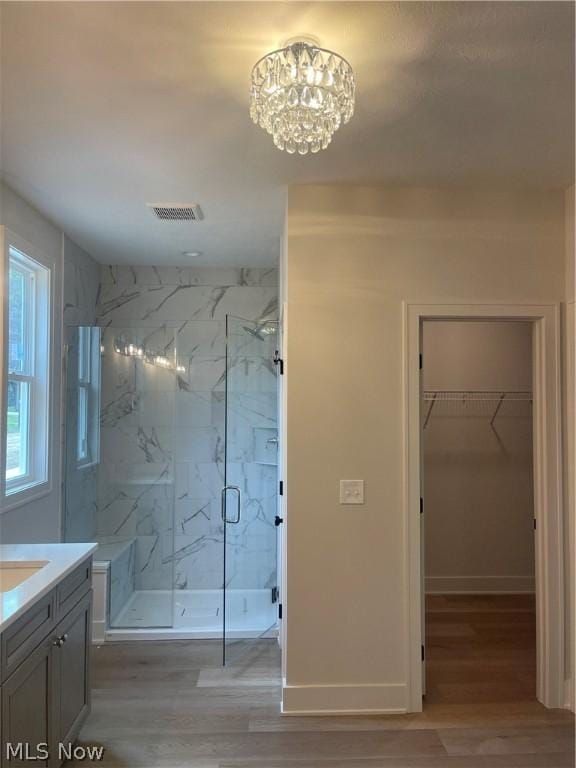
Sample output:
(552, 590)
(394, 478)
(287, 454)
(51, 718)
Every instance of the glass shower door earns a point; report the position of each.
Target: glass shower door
(250, 493)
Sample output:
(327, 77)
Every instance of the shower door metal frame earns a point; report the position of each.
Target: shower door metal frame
(227, 487)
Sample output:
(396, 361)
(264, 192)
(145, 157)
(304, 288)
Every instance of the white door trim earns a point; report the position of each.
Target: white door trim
(547, 431)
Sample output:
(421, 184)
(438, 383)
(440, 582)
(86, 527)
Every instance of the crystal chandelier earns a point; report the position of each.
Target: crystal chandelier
(301, 94)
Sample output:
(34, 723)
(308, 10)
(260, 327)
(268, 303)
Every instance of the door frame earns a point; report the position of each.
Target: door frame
(547, 457)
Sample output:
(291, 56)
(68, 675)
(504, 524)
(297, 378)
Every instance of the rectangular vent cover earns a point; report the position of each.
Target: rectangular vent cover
(176, 211)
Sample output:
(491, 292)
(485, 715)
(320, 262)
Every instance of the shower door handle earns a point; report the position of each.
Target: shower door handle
(238, 492)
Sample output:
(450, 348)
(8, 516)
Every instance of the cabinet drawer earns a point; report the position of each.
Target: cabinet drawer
(74, 586)
(27, 632)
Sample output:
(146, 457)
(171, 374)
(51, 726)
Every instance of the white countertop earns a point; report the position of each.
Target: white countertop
(61, 560)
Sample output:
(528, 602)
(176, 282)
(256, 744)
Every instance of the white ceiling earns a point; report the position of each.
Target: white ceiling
(109, 105)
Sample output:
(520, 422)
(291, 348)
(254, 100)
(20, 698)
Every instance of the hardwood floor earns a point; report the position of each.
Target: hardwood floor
(170, 705)
(480, 647)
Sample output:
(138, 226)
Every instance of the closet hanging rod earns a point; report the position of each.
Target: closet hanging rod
(432, 396)
(477, 394)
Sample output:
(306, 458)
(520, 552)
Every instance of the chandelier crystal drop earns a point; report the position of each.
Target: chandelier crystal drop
(301, 94)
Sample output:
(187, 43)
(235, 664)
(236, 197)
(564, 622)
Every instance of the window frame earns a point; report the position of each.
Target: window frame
(38, 375)
(88, 399)
(83, 405)
(27, 378)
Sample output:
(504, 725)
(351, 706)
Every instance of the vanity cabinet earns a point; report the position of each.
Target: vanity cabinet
(71, 671)
(44, 666)
(27, 708)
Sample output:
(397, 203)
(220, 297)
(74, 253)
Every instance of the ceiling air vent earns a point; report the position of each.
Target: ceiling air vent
(176, 211)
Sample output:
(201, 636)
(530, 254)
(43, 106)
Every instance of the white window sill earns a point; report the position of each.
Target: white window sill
(24, 496)
(86, 465)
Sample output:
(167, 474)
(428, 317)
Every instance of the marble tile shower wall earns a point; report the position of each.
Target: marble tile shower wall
(122, 579)
(162, 433)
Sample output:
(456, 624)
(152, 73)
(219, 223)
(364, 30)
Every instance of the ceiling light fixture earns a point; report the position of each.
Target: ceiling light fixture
(192, 253)
(301, 94)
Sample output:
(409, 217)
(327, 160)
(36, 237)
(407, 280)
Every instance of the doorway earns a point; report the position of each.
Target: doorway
(478, 563)
(544, 325)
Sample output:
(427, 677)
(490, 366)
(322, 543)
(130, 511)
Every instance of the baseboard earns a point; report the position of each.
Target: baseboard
(569, 695)
(480, 584)
(98, 632)
(391, 699)
(99, 601)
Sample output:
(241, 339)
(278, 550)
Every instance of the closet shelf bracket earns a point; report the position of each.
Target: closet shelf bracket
(498, 406)
(432, 402)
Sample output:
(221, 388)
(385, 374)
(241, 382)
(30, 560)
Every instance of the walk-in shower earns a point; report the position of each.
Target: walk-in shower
(171, 465)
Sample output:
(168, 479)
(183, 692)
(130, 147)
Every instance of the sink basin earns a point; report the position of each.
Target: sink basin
(14, 573)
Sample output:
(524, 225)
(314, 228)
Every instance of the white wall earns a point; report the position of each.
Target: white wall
(354, 255)
(478, 484)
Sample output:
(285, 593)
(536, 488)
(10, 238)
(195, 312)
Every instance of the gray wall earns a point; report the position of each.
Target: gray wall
(75, 281)
(39, 520)
(81, 289)
(81, 285)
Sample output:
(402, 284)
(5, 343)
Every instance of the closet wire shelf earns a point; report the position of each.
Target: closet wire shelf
(434, 396)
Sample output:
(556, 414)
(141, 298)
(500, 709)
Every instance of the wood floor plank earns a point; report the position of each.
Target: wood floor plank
(267, 719)
(303, 745)
(172, 705)
(492, 714)
(552, 760)
(505, 741)
(169, 720)
(239, 697)
(238, 676)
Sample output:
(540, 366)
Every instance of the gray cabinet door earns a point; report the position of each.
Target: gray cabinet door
(71, 659)
(27, 709)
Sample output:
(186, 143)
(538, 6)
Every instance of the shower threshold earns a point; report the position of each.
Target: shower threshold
(195, 614)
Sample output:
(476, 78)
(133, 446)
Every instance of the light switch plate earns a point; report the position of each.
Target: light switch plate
(351, 491)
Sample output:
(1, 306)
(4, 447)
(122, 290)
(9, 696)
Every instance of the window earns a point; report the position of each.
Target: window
(82, 450)
(87, 440)
(27, 386)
